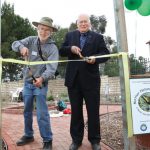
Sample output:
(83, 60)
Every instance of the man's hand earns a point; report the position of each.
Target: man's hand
(91, 60)
(76, 50)
(38, 82)
(24, 51)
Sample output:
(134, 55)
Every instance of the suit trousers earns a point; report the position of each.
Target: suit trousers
(77, 93)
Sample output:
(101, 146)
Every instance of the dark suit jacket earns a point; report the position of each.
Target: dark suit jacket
(89, 73)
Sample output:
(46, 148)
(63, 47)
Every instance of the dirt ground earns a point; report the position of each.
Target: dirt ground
(112, 130)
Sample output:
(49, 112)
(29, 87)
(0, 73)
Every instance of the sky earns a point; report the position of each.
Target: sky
(64, 12)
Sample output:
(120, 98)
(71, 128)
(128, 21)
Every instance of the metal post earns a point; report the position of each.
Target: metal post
(129, 143)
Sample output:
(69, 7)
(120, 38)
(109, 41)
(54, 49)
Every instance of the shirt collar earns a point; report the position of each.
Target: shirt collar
(84, 34)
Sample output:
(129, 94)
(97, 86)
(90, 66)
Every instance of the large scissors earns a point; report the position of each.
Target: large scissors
(84, 58)
(30, 71)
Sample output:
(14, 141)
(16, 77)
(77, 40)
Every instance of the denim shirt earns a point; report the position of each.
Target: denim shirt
(49, 52)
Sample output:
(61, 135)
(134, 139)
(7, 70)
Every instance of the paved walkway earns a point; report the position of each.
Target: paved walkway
(12, 130)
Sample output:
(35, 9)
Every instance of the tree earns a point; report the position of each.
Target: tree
(13, 27)
(73, 26)
(137, 66)
(59, 38)
(112, 67)
(98, 23)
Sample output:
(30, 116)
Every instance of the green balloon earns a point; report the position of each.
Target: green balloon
(144, 9)
(132, 4)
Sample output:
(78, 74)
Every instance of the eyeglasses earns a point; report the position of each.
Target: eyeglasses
(83, 21)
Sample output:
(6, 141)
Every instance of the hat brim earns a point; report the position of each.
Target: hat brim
(37, 23)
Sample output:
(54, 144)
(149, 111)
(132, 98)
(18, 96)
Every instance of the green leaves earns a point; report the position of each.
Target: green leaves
(98, 23)
(13, 27)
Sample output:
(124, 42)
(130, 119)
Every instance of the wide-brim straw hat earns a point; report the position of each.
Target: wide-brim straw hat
(46, 21)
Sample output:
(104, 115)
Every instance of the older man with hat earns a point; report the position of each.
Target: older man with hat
(38, 48)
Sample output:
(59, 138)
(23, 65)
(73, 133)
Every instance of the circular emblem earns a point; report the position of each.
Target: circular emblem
(143, 127)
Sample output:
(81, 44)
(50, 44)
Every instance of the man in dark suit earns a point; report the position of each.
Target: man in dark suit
(83, 80)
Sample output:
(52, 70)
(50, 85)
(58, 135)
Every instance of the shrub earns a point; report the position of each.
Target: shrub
(50, 98)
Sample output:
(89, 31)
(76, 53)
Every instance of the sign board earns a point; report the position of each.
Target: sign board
(140, 104)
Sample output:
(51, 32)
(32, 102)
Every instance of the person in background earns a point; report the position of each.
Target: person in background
(83, 80)
(38, 48)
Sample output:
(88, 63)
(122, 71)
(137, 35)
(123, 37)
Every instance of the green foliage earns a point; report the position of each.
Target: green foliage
(64, 94)
(64, 97)
(136, 65)
(13, 27)
(112, 68)
(98, 23)
(50, 98)
(59, 36)
(110, 40)
(73, 26)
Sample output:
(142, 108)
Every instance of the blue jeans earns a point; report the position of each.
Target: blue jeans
(43, 118)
